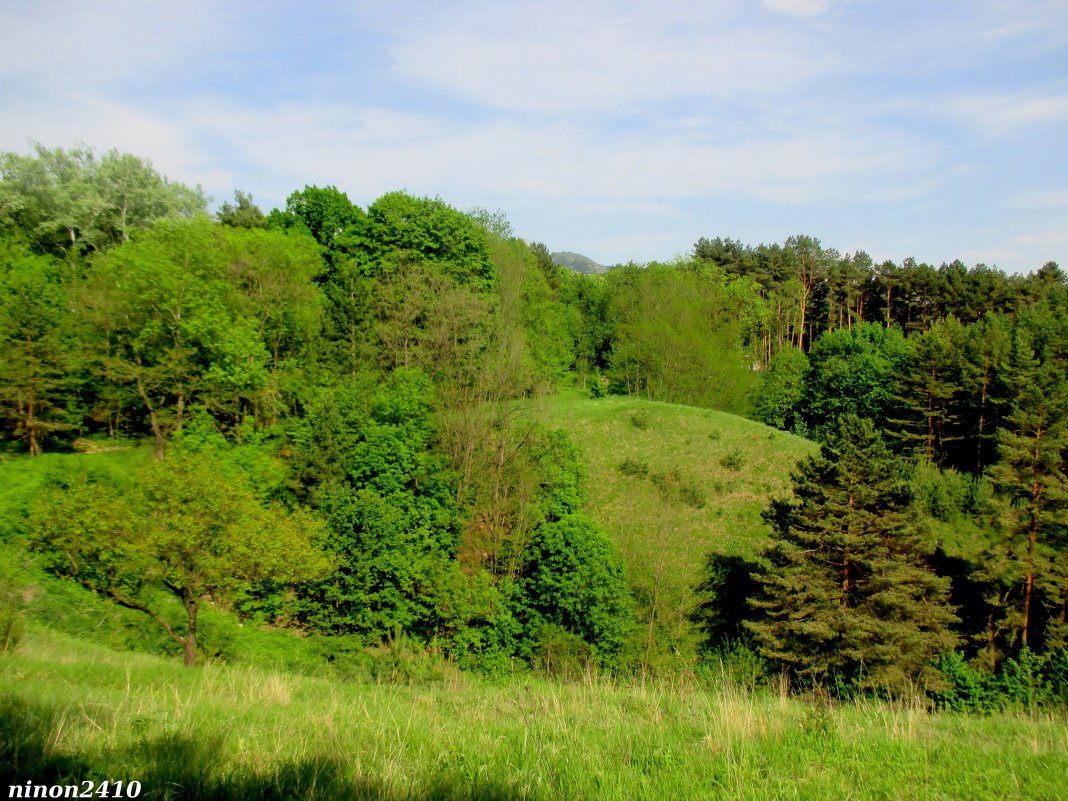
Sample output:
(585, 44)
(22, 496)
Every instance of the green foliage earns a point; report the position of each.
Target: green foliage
(676, 487)
(327, 215)
(67, 203)
(677, 336)
(245, 214)
(722, 601)
(852, 372)
(640, 419)
(561, 472)
(926, 420)
(573, 581)
(780, 394)
(183, 528)
(1031, 477)
(37, 346)
(1027, 682)
(12, 625)
(848, 595)
(733, 665)
(948, 495)
(733, 459)
(402, 229)
(635, 468)
(170, 331)
(393, 527)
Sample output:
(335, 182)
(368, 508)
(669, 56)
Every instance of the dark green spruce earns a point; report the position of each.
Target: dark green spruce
(849, 596)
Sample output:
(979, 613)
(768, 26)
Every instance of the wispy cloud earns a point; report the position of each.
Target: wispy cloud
(1003, 114)
(76, 44)
(603, 57)
(798, 8)
(933, 126)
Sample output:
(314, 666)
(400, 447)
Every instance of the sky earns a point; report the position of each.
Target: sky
(621, 130)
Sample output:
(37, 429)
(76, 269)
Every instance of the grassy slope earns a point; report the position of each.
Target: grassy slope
(72, 711)
(664, 540)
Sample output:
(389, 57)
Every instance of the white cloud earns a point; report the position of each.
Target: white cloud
(71, 44)
(798, 8)
(1022, 254)
(1042, 199)
(1003, 114)
(603, 57)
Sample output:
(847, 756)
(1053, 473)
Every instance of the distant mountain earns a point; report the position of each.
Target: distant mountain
(578, 263)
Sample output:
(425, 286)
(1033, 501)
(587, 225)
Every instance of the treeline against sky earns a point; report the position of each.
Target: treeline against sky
(361, 382)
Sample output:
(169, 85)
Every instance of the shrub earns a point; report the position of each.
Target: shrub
(691, 494)
(562, 654)
(572, 579)
(1028, 681)
(734, 460)
(640, 419)
(10, 629)
(634, 468)
(967, 689)
(598, 388)
(733, 664)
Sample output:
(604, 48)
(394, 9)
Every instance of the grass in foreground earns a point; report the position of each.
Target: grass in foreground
(71, 712)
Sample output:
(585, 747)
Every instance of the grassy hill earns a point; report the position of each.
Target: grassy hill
(672, 484)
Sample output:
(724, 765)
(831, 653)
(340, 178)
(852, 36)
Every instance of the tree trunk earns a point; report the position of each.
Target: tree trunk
(1029, 586)
(153, 421)
(189, 643)
(31, 429)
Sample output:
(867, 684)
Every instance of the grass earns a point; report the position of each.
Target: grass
(72, 711)
(693, 481)
(737, 462)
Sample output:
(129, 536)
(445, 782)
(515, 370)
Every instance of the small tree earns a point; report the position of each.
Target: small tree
(573, 582)
(184, 528)
(849, 593)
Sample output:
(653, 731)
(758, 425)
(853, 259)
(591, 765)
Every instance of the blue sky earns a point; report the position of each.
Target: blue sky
(621, 130)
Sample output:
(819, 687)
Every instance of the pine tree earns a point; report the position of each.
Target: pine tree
(849, 595)
(927, 419)
(1031, 476)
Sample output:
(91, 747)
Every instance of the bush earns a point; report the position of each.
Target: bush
(640, 419)
(944, 494)
(598, 388)
(733, 460)
(967, 689)
(573, 580)
(1026, 682)
(11, 628)
(691, 494)
(561, 654)
(634, 468)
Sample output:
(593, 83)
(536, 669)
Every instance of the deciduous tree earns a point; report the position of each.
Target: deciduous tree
(183, 527)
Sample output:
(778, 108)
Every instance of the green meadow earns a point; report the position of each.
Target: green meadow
(671, 484)
(72, 711)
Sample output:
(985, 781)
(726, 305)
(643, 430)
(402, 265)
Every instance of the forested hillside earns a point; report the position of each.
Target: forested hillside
(404, 421)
